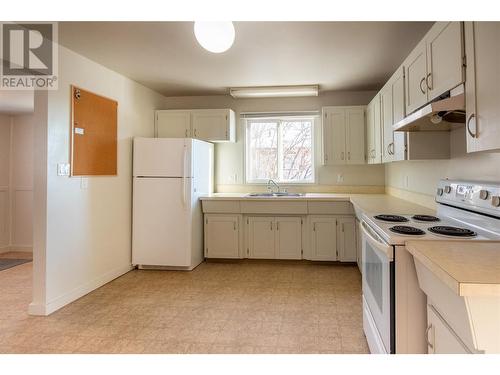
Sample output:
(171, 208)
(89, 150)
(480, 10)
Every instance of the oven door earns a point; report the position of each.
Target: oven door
(377, 258)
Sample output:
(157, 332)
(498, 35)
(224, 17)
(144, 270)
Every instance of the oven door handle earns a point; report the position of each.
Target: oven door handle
(376, 241)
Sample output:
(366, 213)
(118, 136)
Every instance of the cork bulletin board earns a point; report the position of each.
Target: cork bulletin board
(93, 134)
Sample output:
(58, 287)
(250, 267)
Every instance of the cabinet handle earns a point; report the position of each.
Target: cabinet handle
(473, 135)
(342, 155)
(421, 89)
(427, 336)
(314, 227)
(427, 81)
(392, 148)
(195, 132)
(271, 225)
(278, 225)
(186, 133)
(234, 225)
(348, 155)
(342, 227)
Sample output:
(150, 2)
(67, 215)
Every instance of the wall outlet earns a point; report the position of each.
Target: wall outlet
(340, 178)
(84, 183)
(407, 181)
(63, 169)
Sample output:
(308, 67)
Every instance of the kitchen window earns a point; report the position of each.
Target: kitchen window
(281, 149)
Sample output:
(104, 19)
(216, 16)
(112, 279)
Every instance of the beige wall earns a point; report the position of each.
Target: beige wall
(229, 157)
(423, 175)
(87, 238)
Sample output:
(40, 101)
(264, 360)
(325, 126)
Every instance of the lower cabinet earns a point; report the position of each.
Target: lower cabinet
(323, 234)
(222, 236)
(440, 337)
(324, 238)
(274, 237)
(347, 239)
(332, 238)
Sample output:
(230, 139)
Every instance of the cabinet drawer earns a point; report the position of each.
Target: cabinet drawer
(330, 208)
(220, 207)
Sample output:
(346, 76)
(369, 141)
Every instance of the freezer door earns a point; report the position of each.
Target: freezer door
(162, 222)
(162, 157)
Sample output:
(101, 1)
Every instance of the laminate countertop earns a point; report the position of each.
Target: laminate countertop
(469, 268)
(368, 203)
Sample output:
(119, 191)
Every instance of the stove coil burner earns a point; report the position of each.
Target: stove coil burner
(425, 218)
(405, 229)
(452, 231)
(391, 218)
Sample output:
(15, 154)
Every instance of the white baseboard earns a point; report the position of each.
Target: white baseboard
(73, 295)
(4, 249)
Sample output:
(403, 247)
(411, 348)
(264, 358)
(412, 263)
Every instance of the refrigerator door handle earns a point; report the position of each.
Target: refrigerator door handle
(184, 177)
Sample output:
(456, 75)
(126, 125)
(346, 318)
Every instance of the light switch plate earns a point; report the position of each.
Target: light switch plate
(63, 169)
(84, 183)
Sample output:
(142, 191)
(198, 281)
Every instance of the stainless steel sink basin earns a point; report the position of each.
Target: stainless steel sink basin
(275, 194)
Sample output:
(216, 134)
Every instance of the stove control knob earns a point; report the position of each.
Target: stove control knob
(439, 191)
(447, 189)
(495, 201)
(484, 194)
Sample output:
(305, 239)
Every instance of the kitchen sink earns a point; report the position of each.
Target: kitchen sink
(281, 194)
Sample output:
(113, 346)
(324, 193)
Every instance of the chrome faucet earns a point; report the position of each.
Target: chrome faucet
(272, 182)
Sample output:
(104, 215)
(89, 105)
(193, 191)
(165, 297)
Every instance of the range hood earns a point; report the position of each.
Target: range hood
(443, 114)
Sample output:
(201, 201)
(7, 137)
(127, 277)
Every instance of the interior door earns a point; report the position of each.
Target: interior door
(355, 135)
(289, 237)
(444, 58)
(261, 237)
(161, 224)
(415, 75)
(323, 232)
(173, 124)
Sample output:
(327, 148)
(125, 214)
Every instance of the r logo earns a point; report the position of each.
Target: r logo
(27, 49)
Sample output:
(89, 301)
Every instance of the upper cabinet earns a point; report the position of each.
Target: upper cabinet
(374, 131)
(343, 135)
(213, 125)
(386, 122)
(482, 41)
(435, 65)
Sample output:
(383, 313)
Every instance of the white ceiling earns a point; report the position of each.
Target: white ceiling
(166, 57)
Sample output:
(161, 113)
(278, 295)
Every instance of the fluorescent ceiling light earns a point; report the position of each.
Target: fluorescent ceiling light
(215, 37)
(273, 91)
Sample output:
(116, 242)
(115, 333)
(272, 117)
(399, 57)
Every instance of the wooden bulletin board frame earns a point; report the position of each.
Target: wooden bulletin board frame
(94, 134)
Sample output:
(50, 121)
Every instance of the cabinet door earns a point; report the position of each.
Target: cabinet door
(173, 124)
(355, 135)
(289, 237)
(213, 124)
(261, 237)
(444, 58)
(440, 337)
(323, 234)
(347, 239)
(222, 236)
(377, 131)
(334, 136)
(386, 123)
(415, 75)
(398, 113)
(370, 128)
(482, 85)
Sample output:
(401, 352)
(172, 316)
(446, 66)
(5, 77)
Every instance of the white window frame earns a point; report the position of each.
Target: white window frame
(281, 119)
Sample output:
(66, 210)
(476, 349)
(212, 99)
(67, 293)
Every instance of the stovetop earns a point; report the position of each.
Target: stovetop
(397, 229)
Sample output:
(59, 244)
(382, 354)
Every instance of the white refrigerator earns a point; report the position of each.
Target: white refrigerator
(169, 175)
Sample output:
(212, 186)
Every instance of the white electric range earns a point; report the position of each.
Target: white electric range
(394, 317)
